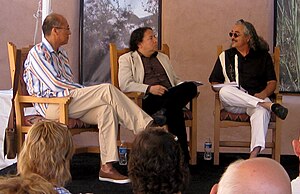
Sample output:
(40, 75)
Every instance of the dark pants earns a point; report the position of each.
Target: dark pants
(173, 101)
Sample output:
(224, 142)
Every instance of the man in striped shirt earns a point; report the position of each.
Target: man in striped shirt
(47, 74)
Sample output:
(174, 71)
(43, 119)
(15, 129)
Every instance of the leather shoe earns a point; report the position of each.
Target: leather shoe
(113, 176)
(159, 117)
(279, 110)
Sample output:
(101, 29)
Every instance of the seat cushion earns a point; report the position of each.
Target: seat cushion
(73, 123)
(228, 116)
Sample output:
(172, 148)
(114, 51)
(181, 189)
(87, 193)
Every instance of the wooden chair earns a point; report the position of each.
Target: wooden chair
(24, 100)
(190, 114)
(224, 119)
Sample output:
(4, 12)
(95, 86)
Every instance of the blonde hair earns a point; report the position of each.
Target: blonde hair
(31, 184)
(47, 151)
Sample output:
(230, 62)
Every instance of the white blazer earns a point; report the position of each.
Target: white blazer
(131, 72)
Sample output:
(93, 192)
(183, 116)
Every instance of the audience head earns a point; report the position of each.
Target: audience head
(137, 37)
(256, 175)
(156, 163)
(30, 184)
(56, 28)
(47, 151)
(247, 30)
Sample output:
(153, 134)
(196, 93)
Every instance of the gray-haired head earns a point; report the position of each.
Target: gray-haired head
(256, 42)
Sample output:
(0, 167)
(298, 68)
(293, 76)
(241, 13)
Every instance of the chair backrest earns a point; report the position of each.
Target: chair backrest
(275, 57)
(13, 63)
(114, 60)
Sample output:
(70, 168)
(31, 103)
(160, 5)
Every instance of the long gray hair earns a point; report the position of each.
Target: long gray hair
(256, 42)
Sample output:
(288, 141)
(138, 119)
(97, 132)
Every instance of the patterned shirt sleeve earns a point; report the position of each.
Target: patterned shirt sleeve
(47, 73)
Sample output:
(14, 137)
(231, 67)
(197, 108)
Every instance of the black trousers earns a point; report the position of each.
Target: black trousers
(173, 101)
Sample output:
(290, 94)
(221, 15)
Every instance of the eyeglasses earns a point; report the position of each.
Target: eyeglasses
(235, 35)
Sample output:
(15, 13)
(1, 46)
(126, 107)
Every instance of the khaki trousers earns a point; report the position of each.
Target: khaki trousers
(104, 105)
(237, 101)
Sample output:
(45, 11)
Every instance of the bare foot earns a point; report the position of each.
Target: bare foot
(255, 152)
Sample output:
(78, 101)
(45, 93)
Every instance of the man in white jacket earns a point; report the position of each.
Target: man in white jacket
(143, 69)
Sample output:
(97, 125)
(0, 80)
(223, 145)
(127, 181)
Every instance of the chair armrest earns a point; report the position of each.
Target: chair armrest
(137, 97)
(54, 100)
(61, 101)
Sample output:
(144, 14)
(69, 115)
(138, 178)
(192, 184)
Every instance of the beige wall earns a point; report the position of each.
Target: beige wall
(192, 28)
(17, 24)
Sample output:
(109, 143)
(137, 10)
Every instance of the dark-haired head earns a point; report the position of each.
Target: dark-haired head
(156, 163)
(136, 37)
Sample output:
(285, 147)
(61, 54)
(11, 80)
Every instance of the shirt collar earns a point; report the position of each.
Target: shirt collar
(153, 55)
(235, 51)
(49, 47)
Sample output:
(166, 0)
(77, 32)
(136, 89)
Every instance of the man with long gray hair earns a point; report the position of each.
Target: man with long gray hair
(249, 64)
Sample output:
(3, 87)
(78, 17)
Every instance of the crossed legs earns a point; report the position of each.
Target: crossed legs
(105, 106)
(173, 101)
(237, 101)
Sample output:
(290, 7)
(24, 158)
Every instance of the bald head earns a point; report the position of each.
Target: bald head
(257, 175)
(52, 20)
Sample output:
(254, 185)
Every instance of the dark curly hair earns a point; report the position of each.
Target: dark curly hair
(156, 164)
(136, 37)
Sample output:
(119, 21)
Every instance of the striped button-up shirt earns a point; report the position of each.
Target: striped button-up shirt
(47, 73)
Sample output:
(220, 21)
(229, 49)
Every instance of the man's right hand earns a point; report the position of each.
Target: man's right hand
(157, 90)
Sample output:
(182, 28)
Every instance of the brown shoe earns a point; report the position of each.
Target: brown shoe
(113, 176)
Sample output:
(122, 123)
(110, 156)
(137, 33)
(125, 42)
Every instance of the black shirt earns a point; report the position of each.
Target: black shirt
(155, 74)
(255, 70)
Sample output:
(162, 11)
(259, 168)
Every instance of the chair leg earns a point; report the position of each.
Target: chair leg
(193, 145)
(217, 138)
(277, 140)
(20, 140)
(193, 132)
(216, 146)
(217, 115)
